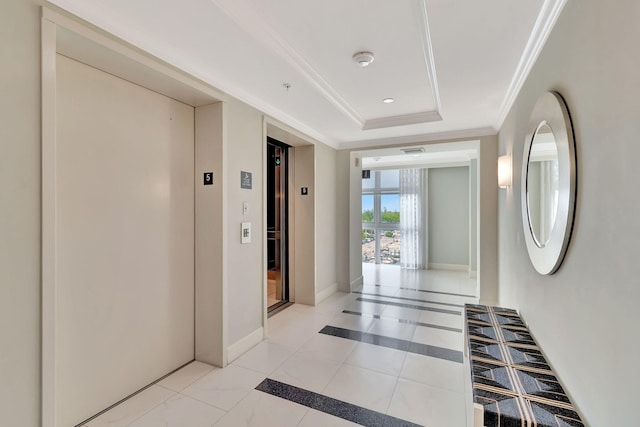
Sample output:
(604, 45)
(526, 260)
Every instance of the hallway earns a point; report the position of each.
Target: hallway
(388, 354)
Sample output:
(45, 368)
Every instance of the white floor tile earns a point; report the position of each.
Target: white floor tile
(362, 387)
(180, 411)
(392, 328)
(134, 408)
(366, 307)
(427, 406)
(350, 321)
(439, 338)
(442, 319)
(377, 358)
(224, 388)
(186, 376)
(301, 307)
(306, 371)
(434, 372)
(394, 312)
(265, 357)
(425, 390)
(328, 347)
(260, 409)
(320, 419)
(291, 335)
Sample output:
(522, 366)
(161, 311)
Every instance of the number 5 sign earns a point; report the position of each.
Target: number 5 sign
(208, 178)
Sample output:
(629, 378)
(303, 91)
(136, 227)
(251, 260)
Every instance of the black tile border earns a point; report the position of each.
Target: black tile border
(413, 306)
(394, 343)
(405, 321)
(424, 290)
(331, 406)
(409, 299)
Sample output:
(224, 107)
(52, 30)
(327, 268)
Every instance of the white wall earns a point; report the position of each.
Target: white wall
(355, 221)
(448, 216)
(342, 226)
(210, 236)
(473, 216)
(349, 225)
(244, 149)
(20, 213)
(488, 220)
(304, 247)
(586, 315)
(326, 217)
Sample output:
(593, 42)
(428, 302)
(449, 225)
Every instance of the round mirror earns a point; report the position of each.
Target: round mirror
(542, 184)
(548, 183)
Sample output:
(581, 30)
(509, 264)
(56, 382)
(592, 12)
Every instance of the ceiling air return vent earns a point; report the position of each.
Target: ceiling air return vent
(414, 150)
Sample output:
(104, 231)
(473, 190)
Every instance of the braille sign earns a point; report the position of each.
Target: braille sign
(245, 180)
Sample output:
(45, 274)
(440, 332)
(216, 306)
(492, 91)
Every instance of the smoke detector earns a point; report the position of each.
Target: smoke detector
(363, 58)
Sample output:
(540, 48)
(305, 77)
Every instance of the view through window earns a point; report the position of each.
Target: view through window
(381, 217)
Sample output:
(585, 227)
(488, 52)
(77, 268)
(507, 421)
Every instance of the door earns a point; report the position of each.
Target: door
(277, 224)
(124, 239)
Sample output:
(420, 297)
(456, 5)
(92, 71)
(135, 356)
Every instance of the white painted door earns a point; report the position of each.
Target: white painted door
(125, 238)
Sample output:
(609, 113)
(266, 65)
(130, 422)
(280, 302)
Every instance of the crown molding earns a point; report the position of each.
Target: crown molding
(427, 51)
(412, 139)
(406, 119)
(545, 22)
(254, 25)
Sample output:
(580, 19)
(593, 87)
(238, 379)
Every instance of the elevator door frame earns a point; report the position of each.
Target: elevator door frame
(284, 226)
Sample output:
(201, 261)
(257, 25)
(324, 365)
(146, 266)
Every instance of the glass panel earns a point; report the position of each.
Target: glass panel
(368, 246)
(369, 183)
(389, 246)
(542, 184)
(367, 208)
(390, 179)
(390, 208)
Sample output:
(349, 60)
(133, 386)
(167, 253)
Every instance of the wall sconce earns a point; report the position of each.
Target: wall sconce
(504, 171)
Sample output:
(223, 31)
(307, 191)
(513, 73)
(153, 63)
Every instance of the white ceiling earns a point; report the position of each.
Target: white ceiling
(452, 66)
(433, 155)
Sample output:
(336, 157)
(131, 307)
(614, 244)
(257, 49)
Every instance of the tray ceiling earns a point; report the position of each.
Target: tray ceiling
(453, 67)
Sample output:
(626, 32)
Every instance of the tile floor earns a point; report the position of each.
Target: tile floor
(389, 354)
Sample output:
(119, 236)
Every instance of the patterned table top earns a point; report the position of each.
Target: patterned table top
(511, 378)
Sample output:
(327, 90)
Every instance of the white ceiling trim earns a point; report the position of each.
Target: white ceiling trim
(405, 119)
(427, 49)
(412, 139)
(254, 25)
(547, 18)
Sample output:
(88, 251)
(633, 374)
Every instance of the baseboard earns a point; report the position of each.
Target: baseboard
(243, 345)
(355, 284)
(451, 267)
(473, 274)
(326, 293)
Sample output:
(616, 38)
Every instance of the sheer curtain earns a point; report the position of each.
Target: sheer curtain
(411, 219)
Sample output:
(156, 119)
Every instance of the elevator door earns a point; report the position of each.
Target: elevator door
(124, 224)
(277, 220)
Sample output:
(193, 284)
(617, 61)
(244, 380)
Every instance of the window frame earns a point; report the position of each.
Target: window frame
(377, 225)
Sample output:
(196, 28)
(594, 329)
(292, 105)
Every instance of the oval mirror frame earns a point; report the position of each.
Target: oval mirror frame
(552, 109)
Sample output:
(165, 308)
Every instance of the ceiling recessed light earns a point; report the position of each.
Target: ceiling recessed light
(363, 58)
(388, 100)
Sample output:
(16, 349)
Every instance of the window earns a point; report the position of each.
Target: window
(381, 217)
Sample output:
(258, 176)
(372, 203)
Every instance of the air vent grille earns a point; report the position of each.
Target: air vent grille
(413, 150)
